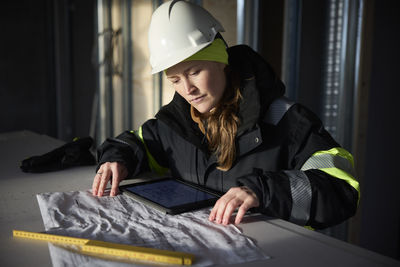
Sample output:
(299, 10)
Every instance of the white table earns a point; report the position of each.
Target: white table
(286, 243)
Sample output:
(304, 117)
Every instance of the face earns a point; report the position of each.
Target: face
(201, 83)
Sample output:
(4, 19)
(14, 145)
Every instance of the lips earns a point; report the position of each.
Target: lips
(197, 99)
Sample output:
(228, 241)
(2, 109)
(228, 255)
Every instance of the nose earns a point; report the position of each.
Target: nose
(188, 86)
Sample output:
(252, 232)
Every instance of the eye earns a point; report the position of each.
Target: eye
(194, 73)
(175, 81)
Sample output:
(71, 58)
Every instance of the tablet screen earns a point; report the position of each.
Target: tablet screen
(170, 193)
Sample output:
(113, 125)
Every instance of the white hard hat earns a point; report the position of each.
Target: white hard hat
(179, 29)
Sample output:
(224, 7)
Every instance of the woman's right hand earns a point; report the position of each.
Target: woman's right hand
(113, 172)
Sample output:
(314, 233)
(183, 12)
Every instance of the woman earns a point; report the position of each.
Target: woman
(229, 128)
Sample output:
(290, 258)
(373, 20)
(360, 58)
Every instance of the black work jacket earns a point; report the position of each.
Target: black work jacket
(275, 138)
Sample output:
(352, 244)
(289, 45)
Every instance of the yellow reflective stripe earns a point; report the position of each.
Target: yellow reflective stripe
(154, 166)
(340, 174)
(337, 151)
(331, 168)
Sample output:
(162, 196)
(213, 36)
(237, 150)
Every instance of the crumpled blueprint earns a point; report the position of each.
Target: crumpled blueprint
(124, 220)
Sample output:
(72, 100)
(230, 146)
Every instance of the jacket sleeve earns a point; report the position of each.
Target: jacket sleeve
(318, 187)
(140, 151)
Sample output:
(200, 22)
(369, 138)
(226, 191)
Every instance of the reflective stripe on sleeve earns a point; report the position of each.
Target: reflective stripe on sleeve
(154, 166)
(301, 196)
(277, 110)
(336, 162)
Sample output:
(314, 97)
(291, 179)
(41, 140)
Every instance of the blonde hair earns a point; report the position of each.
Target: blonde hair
(223, 122)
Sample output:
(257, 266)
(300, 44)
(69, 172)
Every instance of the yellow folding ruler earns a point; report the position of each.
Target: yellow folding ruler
(113, 249)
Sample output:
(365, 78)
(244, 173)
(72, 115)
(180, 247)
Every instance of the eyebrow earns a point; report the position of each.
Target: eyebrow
(185, 71)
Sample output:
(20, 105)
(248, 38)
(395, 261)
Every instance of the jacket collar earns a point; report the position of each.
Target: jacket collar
(260, 85)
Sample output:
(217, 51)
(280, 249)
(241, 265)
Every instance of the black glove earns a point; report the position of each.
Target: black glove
(75, 153)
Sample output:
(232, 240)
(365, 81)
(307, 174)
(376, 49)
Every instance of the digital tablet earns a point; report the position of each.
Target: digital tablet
(171, 196)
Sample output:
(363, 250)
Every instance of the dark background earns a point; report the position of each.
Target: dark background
(47, 84)
(47, 79)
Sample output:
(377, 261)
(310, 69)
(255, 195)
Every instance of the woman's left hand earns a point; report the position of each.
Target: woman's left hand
(236, 197)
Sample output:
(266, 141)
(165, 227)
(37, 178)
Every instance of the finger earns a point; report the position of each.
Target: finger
(219, 206)
(114, 186)
(249, 202)
(115, 180)
(241, 212)
(216, 207)
(96, 183)
(213, 212)
(223, 201)
(219, 212)
(230, 208)
(105, 177)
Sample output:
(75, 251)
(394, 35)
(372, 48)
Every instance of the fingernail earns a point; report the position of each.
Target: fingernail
(225, 222)
(218, 220)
